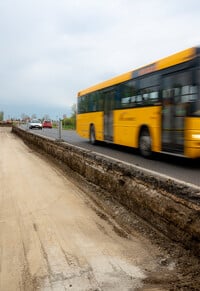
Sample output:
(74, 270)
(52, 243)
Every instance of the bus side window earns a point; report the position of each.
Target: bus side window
(193, 89)
(83, 103)
(145, 98)
(154, 98)
(126, 102)
(133, 101)
(90, 102)
(101, 101)
(94, 102)
(139, 99)
(185, 97)
(193, 93)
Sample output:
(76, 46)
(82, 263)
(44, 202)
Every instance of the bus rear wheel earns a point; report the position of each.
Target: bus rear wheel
(145, 143)
(92, 135)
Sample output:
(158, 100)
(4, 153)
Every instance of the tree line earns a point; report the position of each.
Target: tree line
(67, 122)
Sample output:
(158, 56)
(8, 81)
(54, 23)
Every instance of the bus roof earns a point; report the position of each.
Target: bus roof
(166, 62)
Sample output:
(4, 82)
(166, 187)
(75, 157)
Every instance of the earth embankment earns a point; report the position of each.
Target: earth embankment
(172, 207)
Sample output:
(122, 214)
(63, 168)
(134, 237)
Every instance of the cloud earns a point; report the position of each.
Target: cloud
(52, 49)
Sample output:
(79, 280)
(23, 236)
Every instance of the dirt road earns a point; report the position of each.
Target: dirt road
(52, 239)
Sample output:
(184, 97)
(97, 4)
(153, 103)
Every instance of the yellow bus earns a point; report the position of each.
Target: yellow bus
(155, 108)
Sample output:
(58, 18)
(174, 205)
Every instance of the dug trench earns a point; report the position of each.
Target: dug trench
(164, 210)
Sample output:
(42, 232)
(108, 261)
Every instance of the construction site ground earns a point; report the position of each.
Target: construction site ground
(54, 236)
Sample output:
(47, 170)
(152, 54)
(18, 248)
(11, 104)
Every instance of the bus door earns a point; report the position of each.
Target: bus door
(173, 113)
(108, 115)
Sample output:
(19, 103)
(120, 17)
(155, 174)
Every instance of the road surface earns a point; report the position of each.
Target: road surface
(174, 167)
(53, 239)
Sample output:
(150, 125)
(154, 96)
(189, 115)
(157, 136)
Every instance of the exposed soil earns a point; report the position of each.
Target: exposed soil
(57, 234)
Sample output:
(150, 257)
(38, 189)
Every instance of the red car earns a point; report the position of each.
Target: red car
(47, 124)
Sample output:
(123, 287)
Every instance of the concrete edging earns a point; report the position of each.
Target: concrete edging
(170, 206)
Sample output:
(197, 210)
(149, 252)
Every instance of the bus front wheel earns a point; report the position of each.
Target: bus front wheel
(92, 135)
(145, 143)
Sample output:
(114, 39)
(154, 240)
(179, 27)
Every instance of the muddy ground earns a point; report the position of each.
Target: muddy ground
(56, 234)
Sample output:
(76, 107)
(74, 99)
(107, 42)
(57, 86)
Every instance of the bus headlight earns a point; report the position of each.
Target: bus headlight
(196, 136)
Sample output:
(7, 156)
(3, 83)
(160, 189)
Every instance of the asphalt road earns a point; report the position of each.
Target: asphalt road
(175, 167)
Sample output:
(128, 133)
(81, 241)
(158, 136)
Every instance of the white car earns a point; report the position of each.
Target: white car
(35, 123)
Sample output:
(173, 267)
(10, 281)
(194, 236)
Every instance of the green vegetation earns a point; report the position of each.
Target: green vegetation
(70, 123)
(1, 115)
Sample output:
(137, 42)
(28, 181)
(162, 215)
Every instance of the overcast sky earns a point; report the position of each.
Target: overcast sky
(51, 49)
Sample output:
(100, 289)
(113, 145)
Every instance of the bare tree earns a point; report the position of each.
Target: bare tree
(25, 117)
(73, 110)
(46, 117)
(33, 116)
